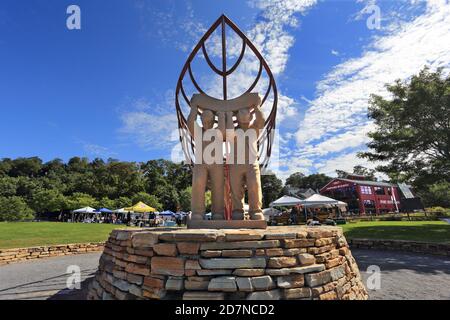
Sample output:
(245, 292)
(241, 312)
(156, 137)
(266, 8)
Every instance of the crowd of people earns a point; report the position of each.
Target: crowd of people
(127, 218)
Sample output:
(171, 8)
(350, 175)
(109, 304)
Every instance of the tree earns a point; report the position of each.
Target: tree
(168, 196)
(185, 199)
(314, 181)
(368, 174)
(27, 167)
(208, 201)
(106, 202)
(412, 133)
(5, 166)
(14, 209)
(48, 201)
(81, 200)
(271, 188)
(8, 186)
(123, 202)
(341, 173)
(148, 199)
(437, 194)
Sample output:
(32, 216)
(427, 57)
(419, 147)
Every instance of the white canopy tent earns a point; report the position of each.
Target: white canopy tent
(268, 212)
(286, 201)
(317, 200)
(314, 201)
(121, 210)
(84, 210)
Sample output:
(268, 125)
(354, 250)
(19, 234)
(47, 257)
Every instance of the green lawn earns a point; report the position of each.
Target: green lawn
(30, 234)
(426, 231)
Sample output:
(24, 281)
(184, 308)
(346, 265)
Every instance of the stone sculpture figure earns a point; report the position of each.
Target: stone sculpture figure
(244, 167)
(205, 171)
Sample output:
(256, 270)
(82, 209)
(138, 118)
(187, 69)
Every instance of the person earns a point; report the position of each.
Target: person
(204, 170)
(294, 213)
(244, 164)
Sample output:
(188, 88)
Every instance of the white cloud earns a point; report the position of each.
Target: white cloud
(97, 150)
(334, 52)
(149, 131)
(171, 22)
(345, 162)
(336, 119)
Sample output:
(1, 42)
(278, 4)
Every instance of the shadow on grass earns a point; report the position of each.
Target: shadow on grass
(436, 233)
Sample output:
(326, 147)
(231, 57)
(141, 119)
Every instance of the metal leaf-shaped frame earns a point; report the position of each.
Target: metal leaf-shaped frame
(266, 138)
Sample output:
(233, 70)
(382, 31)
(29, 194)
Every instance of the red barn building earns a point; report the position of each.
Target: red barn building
(364, 197)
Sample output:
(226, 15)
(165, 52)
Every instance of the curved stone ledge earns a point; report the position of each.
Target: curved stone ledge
(293, 262)
(440, 249)
(23, 254)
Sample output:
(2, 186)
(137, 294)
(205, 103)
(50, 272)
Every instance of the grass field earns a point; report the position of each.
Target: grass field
(426, 231)
(29, 234)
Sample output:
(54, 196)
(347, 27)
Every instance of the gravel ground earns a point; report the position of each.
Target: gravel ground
(403, 276)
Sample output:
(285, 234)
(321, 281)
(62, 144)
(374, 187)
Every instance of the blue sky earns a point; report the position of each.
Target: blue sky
(107, 90)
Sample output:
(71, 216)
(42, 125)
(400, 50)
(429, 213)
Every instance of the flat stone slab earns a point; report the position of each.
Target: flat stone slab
(233, 263)
(240, 245)
(192, 295)
(295, 270)
(225, 284)
(227, 224)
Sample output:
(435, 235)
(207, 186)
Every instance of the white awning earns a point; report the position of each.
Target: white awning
(317, 200)
(84, 210)
(286, 201)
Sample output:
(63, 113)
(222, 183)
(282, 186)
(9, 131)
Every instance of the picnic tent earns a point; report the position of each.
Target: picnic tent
(104, 210)
(82, 213)
(286, 201)
(317, 200)
(84, 210)
(140, 207)
(121, 210)
(167, 213)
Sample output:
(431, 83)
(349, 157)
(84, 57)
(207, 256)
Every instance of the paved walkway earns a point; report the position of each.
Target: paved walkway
(403, 276)
(406, 275)
(46, 278)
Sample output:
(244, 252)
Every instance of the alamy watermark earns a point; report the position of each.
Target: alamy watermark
(374, 19)
(73, 21)
(373, 282)
(74, 279)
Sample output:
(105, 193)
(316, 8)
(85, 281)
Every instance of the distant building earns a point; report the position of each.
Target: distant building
(301, 193)
(365, 197)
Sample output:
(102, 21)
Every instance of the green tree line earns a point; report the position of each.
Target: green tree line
(29, 185)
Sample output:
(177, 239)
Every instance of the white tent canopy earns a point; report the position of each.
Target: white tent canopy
(84, 210)
(319, 199)
(286, 201)
(121, 210)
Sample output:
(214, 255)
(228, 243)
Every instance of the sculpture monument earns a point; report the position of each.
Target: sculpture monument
(234, 139)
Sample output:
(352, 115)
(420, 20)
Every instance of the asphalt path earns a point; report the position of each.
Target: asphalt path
(402, 276)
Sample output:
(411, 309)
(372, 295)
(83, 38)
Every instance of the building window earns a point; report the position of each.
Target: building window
(366, 190)
(380, 191)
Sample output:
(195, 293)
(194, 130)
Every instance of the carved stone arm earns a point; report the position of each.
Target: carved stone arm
(192, 119)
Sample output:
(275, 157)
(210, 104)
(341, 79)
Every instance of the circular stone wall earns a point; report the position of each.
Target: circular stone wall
(294, 262)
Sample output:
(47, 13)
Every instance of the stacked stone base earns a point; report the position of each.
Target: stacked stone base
(293, 262)
(23, 254)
